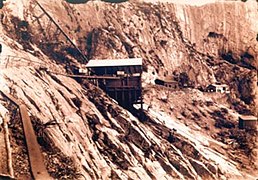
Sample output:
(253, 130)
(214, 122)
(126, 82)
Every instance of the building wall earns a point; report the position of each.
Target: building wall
(173, 85)
(113, 70)
(247, 124)
(125, 82)
(211, 88)
(220, 89)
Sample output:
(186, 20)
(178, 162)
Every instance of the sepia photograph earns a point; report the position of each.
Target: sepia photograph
(128, 89)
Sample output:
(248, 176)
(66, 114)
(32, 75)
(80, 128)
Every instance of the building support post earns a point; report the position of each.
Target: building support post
(123, 96)
(141, 93)
(115, 94)
(130, 98)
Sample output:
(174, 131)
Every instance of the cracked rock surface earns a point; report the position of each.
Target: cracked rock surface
(183, 134)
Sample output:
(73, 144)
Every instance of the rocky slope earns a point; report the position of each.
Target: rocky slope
(185, 135)
(171, 38)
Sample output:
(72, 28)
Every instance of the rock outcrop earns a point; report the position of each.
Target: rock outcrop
(170, 37)
(190, 135)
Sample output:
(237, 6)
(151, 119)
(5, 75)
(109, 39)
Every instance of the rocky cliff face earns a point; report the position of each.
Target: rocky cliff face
(232, 31)
(182, 135)
(226, 36)
(171, 38)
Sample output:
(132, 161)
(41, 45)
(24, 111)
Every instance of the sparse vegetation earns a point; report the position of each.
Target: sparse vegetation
(221, 119)
(168, 132)
(243, 142)
(59, 165)
(184, 80)
(215, 35)
(17, 139)
(20, 30)
(229, 56)
(240, 107)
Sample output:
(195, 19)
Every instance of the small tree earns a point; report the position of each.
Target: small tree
(183, 79)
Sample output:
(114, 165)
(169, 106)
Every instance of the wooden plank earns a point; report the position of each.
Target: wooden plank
(38, 168)
(94, 77)
(36, 160)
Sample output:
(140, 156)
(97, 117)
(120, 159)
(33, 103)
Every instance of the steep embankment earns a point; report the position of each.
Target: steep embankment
(94, 137)
(204, 41)
(233, 30)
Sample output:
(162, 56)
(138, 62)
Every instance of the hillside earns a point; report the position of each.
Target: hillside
(182, 134)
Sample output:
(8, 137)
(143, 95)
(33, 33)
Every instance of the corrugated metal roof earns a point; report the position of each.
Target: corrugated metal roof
(114, 62)
(248, 117)
(168, 80)
(220, 85)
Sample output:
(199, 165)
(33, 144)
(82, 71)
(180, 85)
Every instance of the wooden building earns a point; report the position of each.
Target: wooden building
(121, 79)
(167, 83)
(220, 88)
(247, 122)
